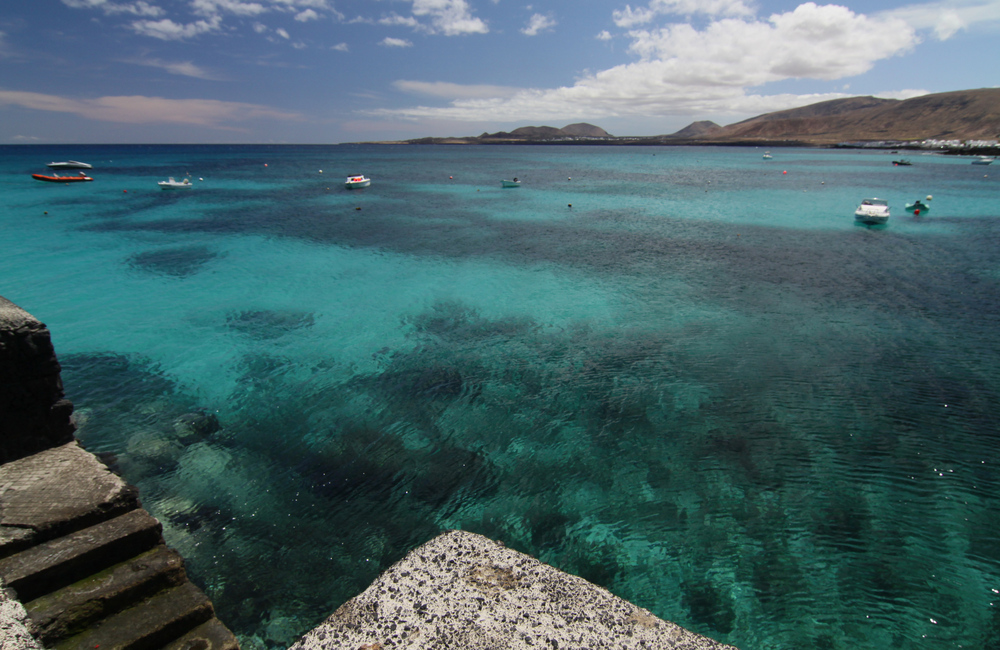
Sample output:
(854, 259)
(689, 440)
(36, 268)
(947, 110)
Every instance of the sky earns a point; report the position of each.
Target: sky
(333, 71)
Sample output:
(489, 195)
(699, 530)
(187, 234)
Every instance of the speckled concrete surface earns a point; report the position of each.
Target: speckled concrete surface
(14, 633)
(462, 590)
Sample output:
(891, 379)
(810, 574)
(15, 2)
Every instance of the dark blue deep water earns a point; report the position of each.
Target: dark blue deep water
(684, 374)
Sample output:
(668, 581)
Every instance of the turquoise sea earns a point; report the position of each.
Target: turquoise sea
(684, 374)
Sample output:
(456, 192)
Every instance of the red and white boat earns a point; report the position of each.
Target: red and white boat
(355, 182)
(56, 178)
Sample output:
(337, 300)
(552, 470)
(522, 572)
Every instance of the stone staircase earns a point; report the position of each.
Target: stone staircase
(90, 565)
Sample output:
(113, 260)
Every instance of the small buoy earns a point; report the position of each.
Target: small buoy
(265, 164)
(321, 171)
(785, 172)
(930, 198)
(822, 182)
(916, 212)
(46, 212)
(451, 177)
(569, 178)
(357, 208)
(201, 179)
(124, 191)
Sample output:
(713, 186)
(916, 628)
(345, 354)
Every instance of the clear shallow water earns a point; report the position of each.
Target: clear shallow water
(701, 385)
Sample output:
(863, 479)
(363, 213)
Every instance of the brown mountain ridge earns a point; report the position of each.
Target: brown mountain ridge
(959, 115)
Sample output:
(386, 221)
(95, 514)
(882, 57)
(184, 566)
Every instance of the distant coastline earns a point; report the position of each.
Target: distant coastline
(965, 122)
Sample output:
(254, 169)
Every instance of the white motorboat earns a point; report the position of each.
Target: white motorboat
(767, 155)
(356, 182)
(873, 211)
(984, 160)
(513, 183)
(171, 184)
(69, 164)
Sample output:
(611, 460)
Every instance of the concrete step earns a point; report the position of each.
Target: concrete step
(74, 608)
(56, 492)
(211, 635)
(151, 624)
(60, 562)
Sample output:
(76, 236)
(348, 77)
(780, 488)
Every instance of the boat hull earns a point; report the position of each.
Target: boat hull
(61, 179)
(872, 219)
(357, 182)
(872, 212)
(510, 183)
(69, 164)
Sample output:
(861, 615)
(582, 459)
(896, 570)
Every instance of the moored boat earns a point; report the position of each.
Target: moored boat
(984, 160)
(356, 182)
(872, 211)
(56, 178)
(767, 155)
(69, 164)
(513, 183)
(171, 184)
(917, 207)
(902, 162)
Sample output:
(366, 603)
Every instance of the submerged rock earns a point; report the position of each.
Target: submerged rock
(192, 427)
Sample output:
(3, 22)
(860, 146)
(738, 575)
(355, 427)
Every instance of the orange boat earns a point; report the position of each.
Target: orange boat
(56, 178)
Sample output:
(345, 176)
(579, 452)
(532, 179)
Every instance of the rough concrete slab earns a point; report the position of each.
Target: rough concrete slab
(462, 590)
(54, 492)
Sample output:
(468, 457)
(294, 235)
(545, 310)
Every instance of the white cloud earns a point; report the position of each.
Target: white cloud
(340, 47)
(449, 17)
(946, 19)
(168, 30)
(629, 17)
(282, 33)
(451, 91)
(214, 8)
(395, 19)
(140, 8)
(685, 71)
(182, 68)
(538, 23)
(148, 110)
(395, 42)
(204, 16)
(605, 35)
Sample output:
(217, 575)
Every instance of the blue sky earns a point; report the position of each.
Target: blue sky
(328, 71)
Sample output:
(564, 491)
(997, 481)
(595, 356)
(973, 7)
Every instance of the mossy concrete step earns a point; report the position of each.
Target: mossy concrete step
(60, 562)
(74, 608)
(153, 623)
(211, 635)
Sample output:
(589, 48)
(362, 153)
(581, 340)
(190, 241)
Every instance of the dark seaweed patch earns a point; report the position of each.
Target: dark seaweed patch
(177, 262)
(265, 324)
